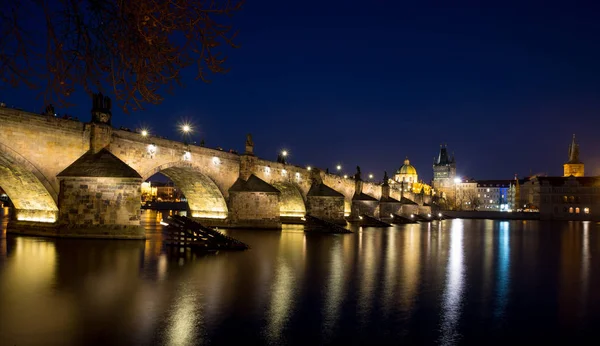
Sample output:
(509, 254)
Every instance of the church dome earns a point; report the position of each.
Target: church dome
(407, 168)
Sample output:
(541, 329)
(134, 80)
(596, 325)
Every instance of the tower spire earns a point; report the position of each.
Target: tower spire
(574, 151)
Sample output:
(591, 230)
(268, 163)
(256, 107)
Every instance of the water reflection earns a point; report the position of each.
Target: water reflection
(503, 280)
(288, 274)
(336, 285)
(369, 256)
(410, 257)
(376, 286)
(453, 293)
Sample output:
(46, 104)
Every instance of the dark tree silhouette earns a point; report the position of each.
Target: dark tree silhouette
(135, 48)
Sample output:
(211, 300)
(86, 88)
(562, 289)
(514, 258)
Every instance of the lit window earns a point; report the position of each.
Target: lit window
(267, 170)
(586, 210)
(297, 175)
(283, 172)
(577, 210)
(488, 190)
(216, 160)
(571, 210)
(187, 156)
(491, 201)
(478, 195)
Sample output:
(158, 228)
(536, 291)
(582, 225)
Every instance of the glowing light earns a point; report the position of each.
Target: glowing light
(370, 176)
(267, 170)
(360, 217)
(216, 161)
(339, 167)
(440, 214)
(345, 176)
(412, 216)
(391, 215)
(209, 214)
(297, 176)
(144, 133)
(284, 153)
(308, 168)
(151, 149)
(428, 215)
(45, 219)
(164, 223)
(186, 128)
(457, 180)
(187, 156)
(283, 172)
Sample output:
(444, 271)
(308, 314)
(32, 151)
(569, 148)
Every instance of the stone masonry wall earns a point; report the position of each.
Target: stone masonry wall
(363, 208)
(49, 144)
(254, 209)
(387, 208)
(100, 201)
(326, 208)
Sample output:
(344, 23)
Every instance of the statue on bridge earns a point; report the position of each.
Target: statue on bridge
(101, 108)
(249, 145)
(357, 175)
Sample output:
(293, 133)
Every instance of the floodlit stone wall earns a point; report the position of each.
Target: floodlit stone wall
(100, 201)
(328, 208)
(45, 145)
(254, 209)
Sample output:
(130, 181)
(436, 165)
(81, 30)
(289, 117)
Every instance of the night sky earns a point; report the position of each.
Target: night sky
(370, 82)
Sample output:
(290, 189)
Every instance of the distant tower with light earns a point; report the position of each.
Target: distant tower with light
(444, 172)
(573, 167)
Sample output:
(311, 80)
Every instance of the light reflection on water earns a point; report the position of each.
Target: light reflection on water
(453, 294)
(449, 282)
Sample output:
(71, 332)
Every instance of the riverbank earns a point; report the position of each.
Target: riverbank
(492, 215)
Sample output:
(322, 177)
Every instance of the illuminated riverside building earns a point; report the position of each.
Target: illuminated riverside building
(570, 197)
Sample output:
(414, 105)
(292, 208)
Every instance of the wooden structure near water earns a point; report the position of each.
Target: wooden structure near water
(185, 232)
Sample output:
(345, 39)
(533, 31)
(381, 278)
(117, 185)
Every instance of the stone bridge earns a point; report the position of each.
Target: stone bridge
(66, 177)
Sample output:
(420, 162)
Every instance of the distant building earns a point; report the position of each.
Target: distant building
(570, 197)
(567, 198)
(466, 194)
(407, 173)
(444, 172)
(573, 167)
(162, 192)
(494, 195)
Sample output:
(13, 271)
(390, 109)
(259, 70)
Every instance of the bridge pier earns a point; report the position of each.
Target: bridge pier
(324, 202)
(253, 203)
(100, 198)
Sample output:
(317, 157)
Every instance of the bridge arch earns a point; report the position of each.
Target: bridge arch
(33, 196)
(291, 202)
(205, 199)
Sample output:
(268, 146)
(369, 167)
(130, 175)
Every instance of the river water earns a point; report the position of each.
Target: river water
(446, 282)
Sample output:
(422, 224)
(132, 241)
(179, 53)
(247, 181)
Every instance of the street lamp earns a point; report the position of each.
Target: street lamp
(186, 128)
(144, 133)
(284, 153)
(370, 176)
(338, 167)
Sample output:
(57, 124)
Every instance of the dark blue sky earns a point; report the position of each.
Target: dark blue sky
(370, 82)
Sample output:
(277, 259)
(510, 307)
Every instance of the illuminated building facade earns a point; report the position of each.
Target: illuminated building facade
(444, 172)
(407, 173)
(494, 195)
